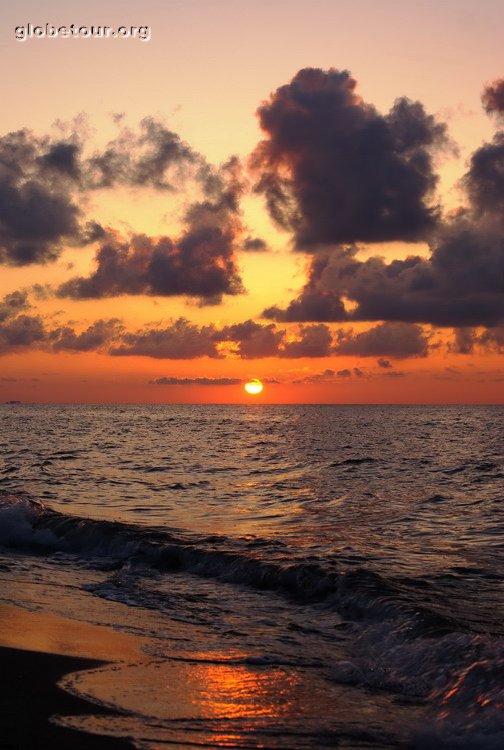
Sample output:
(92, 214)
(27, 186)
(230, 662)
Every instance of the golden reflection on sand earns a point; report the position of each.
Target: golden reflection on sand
(38, 631)
(213, 700)
(237, 691)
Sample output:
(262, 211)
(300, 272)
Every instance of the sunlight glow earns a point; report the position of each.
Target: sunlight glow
(254, 387)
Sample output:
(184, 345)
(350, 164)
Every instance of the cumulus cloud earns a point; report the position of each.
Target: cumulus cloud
(62, 158)
(460, 284)
(21, 332)
(334, 170)
(313, 341)
(37, 212)
(493, 339)
(42, 178)
(329, 376)
(12, 304)
(397, 340)
(199, 263)
(493, 97)
(484, 180)
(93, 338)
(195, 381)
(464, 341)
(44, 182)
(468, 340)
(385, 364)
(151, 156)
(253, 340)
(182, 339)
(179, 340)
(255, 245)
(315, 303)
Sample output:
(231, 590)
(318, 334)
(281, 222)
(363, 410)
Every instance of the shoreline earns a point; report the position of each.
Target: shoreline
(30, 695)
(37, 650)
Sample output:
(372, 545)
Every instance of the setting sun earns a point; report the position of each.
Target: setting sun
(254, 387)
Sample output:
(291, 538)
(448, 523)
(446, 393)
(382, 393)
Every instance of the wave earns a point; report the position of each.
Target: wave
(395, 645)
(358, 594)
(353, 462)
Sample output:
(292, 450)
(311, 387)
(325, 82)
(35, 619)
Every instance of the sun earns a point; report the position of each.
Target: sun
(253, 387)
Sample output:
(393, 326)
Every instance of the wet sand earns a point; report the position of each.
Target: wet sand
(208, 699)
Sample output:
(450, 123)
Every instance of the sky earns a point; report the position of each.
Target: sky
(308, 193)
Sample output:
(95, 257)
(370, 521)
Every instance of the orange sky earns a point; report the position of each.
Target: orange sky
(204, 72)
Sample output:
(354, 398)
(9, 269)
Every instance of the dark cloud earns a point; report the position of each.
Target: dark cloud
(195, 381)
(12, 304)
(397, 340)
(334, 170)
(152, 156)
(37, 212)
(493, 339)
(92, 232)
(42, 182)
(485, 179)
(493, 97)
(465, 340)
(199, 263)
(33, 222)
(21, 332)
(255, 245)
(313, 341)
(460, 284)
(329, 376)
(164, 150)
(253, 340)
(180, 340)
(468, 340)
(93, 338)
(41, 179)
(384, 363)
(317, 377)
(315, 302)
(62, 158)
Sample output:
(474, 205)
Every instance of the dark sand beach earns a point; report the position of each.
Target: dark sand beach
(30, 696)
(36, 651)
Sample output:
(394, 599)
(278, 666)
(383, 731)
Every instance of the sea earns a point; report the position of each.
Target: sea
(303, 576)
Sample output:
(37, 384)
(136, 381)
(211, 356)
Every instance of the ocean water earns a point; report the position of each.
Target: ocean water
(321, 576)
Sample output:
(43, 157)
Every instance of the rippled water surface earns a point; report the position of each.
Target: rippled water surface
(355, 548)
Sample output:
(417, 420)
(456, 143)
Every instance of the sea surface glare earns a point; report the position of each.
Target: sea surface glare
(321, 576)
